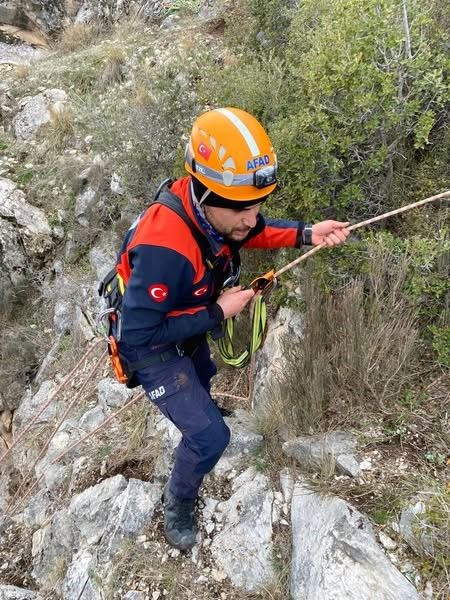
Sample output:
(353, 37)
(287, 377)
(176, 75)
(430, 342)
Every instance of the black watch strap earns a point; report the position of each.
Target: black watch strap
(307, 234)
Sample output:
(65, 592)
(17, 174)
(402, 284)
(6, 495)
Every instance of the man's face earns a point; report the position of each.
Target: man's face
(233, 223)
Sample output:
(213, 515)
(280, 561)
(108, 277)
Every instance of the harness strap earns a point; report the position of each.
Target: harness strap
(167, 198)
(153, 359)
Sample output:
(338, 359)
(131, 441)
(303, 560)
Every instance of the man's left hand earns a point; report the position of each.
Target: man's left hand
(329, 232)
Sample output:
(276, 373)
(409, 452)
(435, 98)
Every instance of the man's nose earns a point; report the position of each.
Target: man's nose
(250, 218)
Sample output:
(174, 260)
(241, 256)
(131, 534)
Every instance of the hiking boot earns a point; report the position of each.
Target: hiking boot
(179, 521)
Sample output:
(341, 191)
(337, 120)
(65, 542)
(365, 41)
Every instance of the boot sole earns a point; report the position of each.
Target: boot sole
(178, 546)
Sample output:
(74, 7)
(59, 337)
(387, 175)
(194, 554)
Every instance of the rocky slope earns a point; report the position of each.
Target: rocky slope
(88, 525)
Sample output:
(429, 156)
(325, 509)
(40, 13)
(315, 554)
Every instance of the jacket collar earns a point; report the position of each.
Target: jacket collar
(182, 188)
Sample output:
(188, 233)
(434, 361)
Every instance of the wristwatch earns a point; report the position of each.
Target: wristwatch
(307, 234)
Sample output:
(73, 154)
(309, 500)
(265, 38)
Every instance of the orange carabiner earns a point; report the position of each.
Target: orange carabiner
(116, 363)
(264, 283)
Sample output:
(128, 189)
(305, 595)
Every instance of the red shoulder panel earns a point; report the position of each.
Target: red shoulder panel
(161, 226)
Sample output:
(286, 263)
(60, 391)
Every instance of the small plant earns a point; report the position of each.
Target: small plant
(23, 176)
(77, 36)
(60, 128)
(183, 6)
(113, 60)
(441, 344)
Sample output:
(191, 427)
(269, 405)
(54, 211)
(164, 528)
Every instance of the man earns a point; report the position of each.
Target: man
(173, 295)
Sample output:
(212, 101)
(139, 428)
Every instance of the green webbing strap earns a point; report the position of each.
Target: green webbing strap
(259, 323)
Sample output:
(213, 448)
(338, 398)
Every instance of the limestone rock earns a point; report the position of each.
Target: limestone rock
(85, 205)
(414, 531)
(117, 185)
(52, 545)
(35, 111)
(82, 327)
(63, 317)
(335, 554)
(78, 582)
(91, 530)
(287, 326)
(13, 259)
(287, 484)
(36, 512)
(32, 228)
(242, 443)
(131, 511)
(312, 452)
(89, 511)
(11, 592)
(20, 54)
(112, 394)
(92, 419)
(48, 360)
(243, 549)
(102, 258)
(31, 404)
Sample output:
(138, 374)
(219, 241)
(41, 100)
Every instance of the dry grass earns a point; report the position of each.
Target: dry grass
(358, 350)
(60, 128)
(77, 36)
(113, 65)
(22, 72)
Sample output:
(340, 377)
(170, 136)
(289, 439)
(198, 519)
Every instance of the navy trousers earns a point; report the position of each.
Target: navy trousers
(180, 389)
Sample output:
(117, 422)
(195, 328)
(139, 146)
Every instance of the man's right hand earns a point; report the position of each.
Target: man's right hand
(234, 300)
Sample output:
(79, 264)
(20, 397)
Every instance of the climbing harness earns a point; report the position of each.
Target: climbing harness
(112, 289)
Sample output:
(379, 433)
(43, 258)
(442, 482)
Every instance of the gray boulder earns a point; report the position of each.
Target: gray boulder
(414, 530)
(335, 554)
(132, 510)
(36, 111)
(20, 54)
(90, 510)
(11, 592)
(85, 206)
(92, 419)
(51, 546)
(31, 404)
(112, 394)
(243, 442)
(36, 512)
(79, 582)
(91, 530)
(243, 549)
(30, 223)
(286, 327)
(63, 317)
(315, 451)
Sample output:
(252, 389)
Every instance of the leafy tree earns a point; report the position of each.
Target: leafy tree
(352, 87)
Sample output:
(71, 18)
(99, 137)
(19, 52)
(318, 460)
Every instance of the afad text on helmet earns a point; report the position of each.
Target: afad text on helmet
(259, 161)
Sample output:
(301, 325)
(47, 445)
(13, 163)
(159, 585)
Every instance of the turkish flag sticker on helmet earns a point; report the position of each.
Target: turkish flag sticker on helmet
(204, 150)
(158, 292)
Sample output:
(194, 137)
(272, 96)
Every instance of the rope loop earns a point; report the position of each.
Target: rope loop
(259, 327)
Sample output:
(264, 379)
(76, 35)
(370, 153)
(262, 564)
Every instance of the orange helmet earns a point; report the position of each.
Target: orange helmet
(230, 153)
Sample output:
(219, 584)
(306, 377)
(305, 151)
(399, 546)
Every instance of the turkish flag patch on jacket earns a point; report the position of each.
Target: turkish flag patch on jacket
(158, 292)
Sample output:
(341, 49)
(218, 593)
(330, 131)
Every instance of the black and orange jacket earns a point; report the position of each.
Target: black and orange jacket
(170, 294)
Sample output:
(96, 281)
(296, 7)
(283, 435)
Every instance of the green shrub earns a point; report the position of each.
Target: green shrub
(441, 344)
(349, 101)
